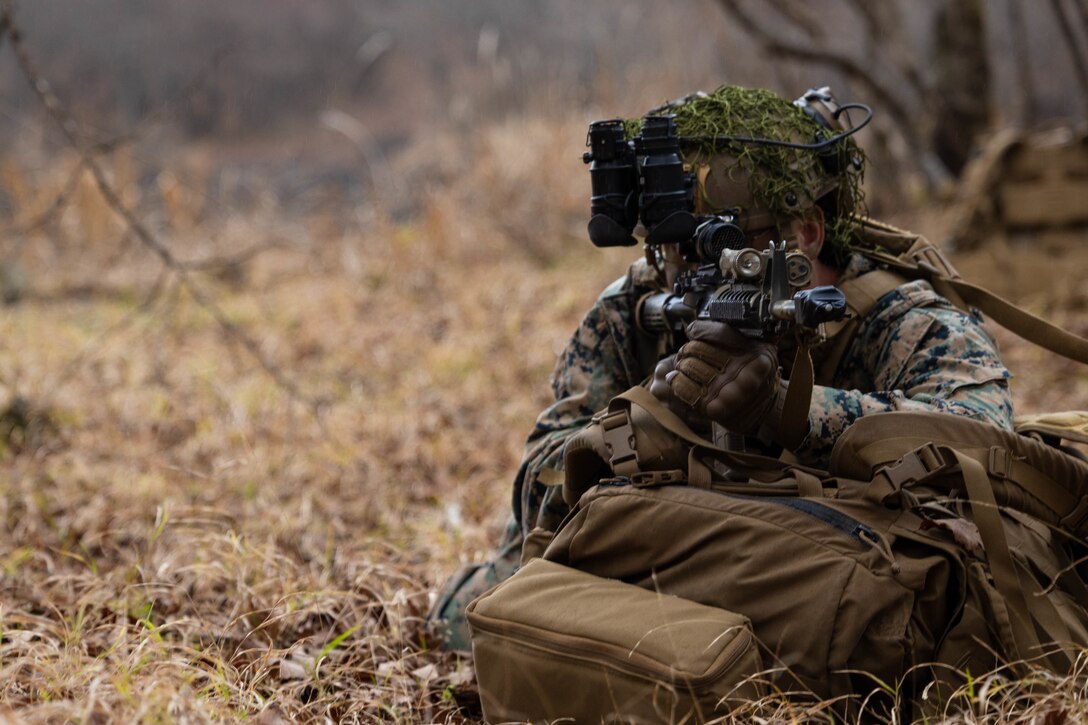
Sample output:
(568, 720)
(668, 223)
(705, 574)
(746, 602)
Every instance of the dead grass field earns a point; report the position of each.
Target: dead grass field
(183, 542)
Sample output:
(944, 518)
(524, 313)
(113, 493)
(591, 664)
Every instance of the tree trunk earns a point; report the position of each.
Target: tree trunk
(961, 81)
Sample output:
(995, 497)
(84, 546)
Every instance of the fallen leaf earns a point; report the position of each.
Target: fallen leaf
(964, 533)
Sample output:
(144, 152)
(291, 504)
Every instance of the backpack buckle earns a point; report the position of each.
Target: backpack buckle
(1000, 464)
(932, 260)
(917, 466)
(619, 439)
(649, 479)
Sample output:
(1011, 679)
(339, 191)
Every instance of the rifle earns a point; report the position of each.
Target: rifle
(758, 293)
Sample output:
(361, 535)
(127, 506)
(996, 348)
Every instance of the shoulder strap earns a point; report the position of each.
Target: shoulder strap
(862, 294)
(924, 261)
(1024, 324)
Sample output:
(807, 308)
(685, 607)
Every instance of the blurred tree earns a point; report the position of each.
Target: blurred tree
(930, 70)
(961, 81)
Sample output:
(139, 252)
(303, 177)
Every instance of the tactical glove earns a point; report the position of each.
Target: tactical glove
(724, 377)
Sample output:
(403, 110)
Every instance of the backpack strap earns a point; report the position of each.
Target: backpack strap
(1026, 602)
(793, 421)
(753, 465)
(1026, 606)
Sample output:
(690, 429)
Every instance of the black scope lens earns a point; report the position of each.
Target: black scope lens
(613, 178)
(666, 188)
(607, 142)
(712, 238)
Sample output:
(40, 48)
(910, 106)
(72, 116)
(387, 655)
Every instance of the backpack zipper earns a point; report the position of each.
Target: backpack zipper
(840, 522)
(832, 517)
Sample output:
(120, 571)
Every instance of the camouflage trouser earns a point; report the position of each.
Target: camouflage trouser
(447, 618)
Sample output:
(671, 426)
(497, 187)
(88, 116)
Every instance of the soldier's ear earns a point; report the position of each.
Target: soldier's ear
(809, 232)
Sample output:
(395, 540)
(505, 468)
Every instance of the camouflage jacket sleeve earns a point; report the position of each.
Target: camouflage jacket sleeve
(914, 351)
(599, 362)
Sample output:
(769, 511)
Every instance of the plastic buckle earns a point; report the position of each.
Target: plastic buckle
(918, 466)
(619, 439)
(649, 479)
(1000, 462)
(933, 260)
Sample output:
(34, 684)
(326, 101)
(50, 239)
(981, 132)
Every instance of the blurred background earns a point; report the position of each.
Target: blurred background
(334, 105)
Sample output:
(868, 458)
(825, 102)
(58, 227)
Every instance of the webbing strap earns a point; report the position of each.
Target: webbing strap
(920, 464)
(964, 294)
(793, 426)
(699, 474)
(751, 464)
(988, 519)
(1004, 465)
(1024, 324)
(1009, 584)
(862, 293)
(1023, 602)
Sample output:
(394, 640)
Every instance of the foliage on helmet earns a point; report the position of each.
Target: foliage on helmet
(776, 175)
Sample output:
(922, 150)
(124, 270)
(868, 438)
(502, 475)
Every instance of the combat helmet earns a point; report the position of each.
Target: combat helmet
(748, 153)
(728, 143)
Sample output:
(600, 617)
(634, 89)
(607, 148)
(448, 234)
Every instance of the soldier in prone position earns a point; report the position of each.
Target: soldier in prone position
(770, 170)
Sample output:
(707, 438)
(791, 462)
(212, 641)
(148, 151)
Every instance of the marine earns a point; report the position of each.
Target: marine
(912, 350)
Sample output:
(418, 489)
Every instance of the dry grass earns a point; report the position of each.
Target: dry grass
(182, 542)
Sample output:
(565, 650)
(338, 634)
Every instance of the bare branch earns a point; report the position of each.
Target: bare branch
(798, 14)
(55, 207)
(70, 130)
(884, 28)
(896, 107)
(233, 260)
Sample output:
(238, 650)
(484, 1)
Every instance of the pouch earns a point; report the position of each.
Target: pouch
(554, 642)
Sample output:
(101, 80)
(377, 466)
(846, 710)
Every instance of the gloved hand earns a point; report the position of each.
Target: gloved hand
(724, 377)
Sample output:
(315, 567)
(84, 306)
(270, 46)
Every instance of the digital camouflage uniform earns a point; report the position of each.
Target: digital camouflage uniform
(913, 351)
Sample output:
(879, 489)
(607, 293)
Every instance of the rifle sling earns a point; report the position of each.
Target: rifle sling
(793, 425)
(1024, 324)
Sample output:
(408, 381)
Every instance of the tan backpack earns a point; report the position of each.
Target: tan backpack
(918, 558)
(934, 548)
